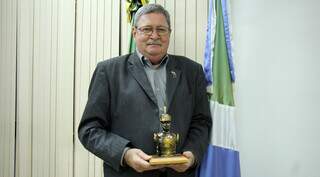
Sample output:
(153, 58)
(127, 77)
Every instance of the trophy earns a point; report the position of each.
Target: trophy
(166, 143)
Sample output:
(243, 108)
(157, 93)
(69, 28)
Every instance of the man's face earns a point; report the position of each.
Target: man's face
(165, 125)
(155, 45)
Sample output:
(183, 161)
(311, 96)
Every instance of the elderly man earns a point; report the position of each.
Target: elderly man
(127, 95)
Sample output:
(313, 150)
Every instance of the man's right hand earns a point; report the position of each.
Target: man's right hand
(138, 160)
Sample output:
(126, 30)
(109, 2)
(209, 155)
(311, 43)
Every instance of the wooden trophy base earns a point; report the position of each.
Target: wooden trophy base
(176, 159)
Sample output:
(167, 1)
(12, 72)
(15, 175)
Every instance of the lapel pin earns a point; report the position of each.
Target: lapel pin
(174, 75)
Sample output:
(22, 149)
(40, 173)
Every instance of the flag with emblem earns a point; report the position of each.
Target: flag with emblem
(132, 7)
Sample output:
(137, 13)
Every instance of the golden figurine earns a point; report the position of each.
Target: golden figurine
(166, 144)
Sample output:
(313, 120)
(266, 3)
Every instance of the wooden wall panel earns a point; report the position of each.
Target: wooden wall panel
(49, 50)
(115, 28)
(180, 27)
(65, 88)
(191, 29)
(82, 77)
(45, 88)
(170, 6)
(24, 89)
(161, 2)
(201, 26)
(8, 12)
(41, 134)
(125, 29)
(97, 39)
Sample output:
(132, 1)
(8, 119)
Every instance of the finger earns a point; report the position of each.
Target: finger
(146, 166)
(144, 156)
(134, 160)
(188, 154)
(141, 165)
(155, 167)
(139, 161)
(179, 168)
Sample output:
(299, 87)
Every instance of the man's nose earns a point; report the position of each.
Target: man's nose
(154, 34)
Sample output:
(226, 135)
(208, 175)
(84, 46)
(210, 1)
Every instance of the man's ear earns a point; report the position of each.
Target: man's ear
(134, 32)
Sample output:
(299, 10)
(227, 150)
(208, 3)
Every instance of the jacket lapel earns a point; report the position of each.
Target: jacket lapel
(136, 68)
(173, 78)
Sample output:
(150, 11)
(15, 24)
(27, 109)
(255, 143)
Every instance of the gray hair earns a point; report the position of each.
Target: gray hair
(151, 8)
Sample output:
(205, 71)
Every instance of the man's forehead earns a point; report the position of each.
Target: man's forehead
(147, 20)
(157, 26)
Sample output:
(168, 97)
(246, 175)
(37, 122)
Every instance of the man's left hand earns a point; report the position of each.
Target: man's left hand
(185, 166)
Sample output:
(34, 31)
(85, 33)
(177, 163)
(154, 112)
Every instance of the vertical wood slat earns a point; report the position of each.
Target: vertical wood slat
(53, 43)
(125, 29)
(8, 86)
(161, 2)
(24, 89)
(170, 6)
(49, 81)
(65, 89)
(201, 24)
(35, 55)
(115, 27)
(93, 35)
(41, 91)
(107, 30)
(82, 76)
(180, 24)
(100, 29)
(3, 119)
(98, 25)
(191, 27)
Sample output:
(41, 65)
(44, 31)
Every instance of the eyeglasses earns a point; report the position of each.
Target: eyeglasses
(148, 30)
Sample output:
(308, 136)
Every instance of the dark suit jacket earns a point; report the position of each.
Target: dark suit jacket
(122, 111)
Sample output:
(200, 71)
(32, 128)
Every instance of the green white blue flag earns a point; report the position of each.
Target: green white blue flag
(222, 158)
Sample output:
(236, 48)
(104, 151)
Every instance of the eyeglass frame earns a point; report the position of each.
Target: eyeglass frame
(156, 29)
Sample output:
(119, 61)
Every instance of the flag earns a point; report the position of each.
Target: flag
(132, 7)
(222, 157)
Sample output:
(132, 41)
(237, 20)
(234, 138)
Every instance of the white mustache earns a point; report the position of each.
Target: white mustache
(154, 43)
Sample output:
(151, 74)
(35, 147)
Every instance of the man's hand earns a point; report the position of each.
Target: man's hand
(138, 160)
(185, 166)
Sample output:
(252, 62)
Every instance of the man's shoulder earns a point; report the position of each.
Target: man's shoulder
(184, 61)
(114, 60)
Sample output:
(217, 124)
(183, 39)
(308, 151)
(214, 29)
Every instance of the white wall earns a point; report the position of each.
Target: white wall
(276, 47)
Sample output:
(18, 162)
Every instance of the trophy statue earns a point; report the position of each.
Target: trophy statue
(166, 143)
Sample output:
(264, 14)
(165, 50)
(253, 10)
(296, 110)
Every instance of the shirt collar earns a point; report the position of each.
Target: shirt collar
(146, 62)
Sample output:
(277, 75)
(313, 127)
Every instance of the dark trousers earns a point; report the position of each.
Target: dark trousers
(163, 174)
